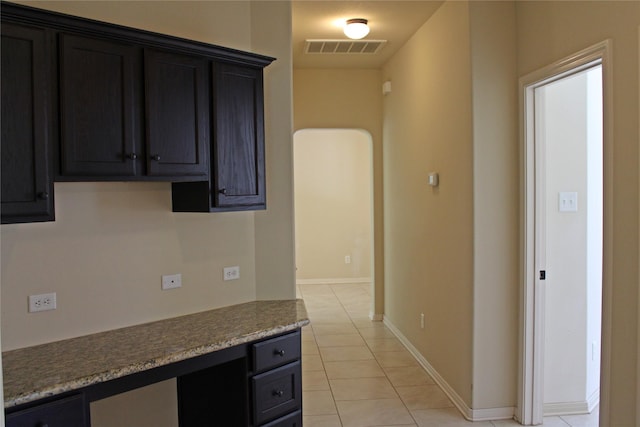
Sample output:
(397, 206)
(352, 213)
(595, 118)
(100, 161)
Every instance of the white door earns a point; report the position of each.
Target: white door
(568, 120)
(563, 233)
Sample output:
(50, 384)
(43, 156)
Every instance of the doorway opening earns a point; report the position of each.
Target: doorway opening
(333, 176)
(565, 302)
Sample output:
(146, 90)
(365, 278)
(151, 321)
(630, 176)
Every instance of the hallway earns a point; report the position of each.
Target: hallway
(356, 373)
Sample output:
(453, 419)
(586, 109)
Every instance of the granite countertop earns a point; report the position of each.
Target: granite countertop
(40, 371)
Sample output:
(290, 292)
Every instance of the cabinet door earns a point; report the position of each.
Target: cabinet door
(99, 107)
(67, 412)
(238, 161)
(27, 188)
(177, 111)
(277, 392)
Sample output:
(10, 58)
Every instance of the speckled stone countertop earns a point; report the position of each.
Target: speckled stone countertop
(40, 371)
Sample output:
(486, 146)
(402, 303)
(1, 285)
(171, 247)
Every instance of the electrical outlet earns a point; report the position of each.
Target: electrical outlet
(347, 259)
(231, 273)
(42, 302)
(171, 281)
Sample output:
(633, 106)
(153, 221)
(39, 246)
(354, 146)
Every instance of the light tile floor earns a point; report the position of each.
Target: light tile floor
(356, 373)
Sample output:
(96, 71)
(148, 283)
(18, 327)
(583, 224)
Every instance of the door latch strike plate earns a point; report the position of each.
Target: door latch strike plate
(543, 275)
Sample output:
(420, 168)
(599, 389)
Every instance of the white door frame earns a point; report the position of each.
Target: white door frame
(529, 410)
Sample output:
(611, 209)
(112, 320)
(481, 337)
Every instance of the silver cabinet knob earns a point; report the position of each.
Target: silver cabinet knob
(155, 157)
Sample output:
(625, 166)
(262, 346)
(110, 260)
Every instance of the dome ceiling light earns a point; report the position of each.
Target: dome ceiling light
(356, 28)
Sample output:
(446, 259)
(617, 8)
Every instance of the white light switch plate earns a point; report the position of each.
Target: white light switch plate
(568, 201)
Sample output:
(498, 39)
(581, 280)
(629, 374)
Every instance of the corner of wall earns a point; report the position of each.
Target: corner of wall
(274, 229)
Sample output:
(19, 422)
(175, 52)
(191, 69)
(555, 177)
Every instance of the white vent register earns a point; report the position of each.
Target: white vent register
(329, 46)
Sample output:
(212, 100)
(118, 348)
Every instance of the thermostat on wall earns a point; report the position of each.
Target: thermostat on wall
(433, 179)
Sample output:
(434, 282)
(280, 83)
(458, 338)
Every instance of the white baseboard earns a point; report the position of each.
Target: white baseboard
(338, 281)
(505, 413)
(573, 408)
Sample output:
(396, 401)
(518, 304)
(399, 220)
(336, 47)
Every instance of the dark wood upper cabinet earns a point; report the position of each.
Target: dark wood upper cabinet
(237, 160)
(238, 137)
(26, 140)
(84, 100)
(177, 113)
(99, 107)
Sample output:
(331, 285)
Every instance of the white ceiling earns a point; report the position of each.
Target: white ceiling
(394, 21)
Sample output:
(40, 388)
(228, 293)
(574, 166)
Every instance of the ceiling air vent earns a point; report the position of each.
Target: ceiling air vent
(343, 46)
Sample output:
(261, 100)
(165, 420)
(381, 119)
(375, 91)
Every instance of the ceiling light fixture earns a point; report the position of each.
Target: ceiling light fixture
(356, 28)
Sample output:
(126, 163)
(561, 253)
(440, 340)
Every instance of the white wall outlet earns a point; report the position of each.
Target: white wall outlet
(171, 281)
(421, 320)
(231, 273)
(347, 259)
(42, 302)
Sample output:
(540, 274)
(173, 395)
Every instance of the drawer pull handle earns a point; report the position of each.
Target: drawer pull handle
(278, 352)
(278, 393)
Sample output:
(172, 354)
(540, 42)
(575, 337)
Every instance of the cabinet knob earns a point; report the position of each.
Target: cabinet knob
(222, 191)
(278, 352)
(278, 393)
(43, 196)
(133, 156)
(155, 157)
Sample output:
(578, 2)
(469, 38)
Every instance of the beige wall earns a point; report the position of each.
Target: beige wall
(495, 204)
(111, 242)
(547, 32)
(319, 102)
(333, 176)
(434, 86)
(428, 127)
(274, 230)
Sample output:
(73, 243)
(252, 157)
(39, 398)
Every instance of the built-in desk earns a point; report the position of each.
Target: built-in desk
(237, 365)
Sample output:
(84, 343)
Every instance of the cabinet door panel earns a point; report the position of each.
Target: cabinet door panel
(99, 107)
(67, 412)
(277, 392)
(239, 137)
(27, 190)
(177, 110)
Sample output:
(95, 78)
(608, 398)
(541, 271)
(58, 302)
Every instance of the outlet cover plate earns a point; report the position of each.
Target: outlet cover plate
(42, 302)
(171, 281)
(231, 273)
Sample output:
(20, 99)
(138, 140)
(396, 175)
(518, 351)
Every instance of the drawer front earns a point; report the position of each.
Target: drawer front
(292, 420)
(68, 412)
(276, 351)
(277, 392)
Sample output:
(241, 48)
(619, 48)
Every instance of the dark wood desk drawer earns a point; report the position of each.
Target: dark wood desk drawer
(276, 351)
(277, 392)
(291, 420)
(68, 412)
